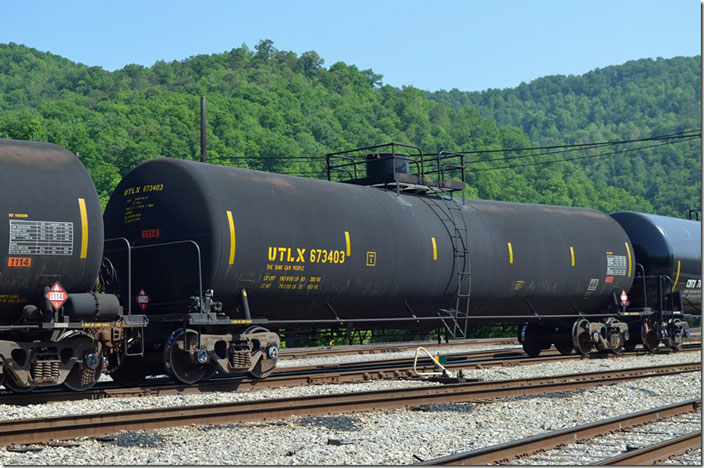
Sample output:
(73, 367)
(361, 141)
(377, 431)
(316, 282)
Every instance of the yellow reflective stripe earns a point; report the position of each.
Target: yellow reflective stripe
(347, 242)
(510, 253)
(572, 254)
(677, 278)
(84, 227)
(628, 251)
(435, 248)
(232, 237)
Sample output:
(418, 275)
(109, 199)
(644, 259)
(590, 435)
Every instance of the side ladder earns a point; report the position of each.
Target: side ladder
(456, 319)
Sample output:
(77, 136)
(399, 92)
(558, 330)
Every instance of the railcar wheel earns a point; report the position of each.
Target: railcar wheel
(564, 347)
(84, 376)
(580, 337)
(254, 329)
(267, 361)
(676, 346)
(129, 373)
(676, 339)
(179, 364)
(263, 369)
(651, 341)
(13, 387)
(632, 341)
(619, 348)
(530, 340)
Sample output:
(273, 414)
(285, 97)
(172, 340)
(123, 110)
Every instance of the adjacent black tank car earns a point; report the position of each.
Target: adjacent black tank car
(668, 276)
(54, 227)
(53, 325)
(223, 249)
(668, 247)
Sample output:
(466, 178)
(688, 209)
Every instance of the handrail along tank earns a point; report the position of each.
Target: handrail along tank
(309, 250)
(52, 236)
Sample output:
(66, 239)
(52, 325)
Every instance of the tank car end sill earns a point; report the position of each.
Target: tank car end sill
(132, 321)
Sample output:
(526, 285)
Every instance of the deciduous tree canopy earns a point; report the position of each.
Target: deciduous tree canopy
(270, 109)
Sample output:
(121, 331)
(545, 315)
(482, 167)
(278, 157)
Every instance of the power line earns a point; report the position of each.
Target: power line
(270, 158)
(684, 133)
(599, 145)
(672, 139)
(541, 163)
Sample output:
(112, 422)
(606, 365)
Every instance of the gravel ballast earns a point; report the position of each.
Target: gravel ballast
(387, 437)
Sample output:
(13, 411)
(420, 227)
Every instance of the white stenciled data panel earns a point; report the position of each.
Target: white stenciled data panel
(41, 238)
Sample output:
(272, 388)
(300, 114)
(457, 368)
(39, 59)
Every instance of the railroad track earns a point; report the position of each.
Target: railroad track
(506, 452)
(305, 353)
(27, 431)
(655, 453)
(306, 375)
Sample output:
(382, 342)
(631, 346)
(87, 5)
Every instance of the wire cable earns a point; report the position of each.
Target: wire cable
(683, 134)
(541, 163)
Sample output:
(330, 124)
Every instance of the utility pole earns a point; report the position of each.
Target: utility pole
(203, 132)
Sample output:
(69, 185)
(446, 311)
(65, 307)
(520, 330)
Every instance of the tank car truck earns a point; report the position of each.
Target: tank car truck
(55, 327)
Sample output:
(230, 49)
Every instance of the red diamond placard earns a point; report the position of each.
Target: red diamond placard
(624, 296)
(142, 299)
(57, 295)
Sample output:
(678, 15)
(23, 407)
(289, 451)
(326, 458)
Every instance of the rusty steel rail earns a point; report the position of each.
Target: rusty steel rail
(504, 453)
(307, 375)
(26, 431)
(459, 356)
(506, 357)
(655, 453)
(305, 353)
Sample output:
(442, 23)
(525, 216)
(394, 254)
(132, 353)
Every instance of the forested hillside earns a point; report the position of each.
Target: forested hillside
(630, 101)
(273, 110)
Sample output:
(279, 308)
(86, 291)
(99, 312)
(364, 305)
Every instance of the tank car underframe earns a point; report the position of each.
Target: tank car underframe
(64, 345)
(54, 353)
(647, 324)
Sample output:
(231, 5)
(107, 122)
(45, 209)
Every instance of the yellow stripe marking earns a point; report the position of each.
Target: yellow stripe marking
(628, 251)
(435, 248)
(233, 239)
(84, 227)
(677, 277)
(572, 254)
(510, 253)
(347, 242)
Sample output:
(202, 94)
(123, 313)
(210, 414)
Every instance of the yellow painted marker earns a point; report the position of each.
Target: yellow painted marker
(435, 248)
(84, 227)
(628, 251)
(347, 243)
(677, 278)
(233, 239)
(572, 254)
(510, 253)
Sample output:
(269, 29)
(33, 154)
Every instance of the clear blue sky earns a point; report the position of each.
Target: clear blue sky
(470, 44)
